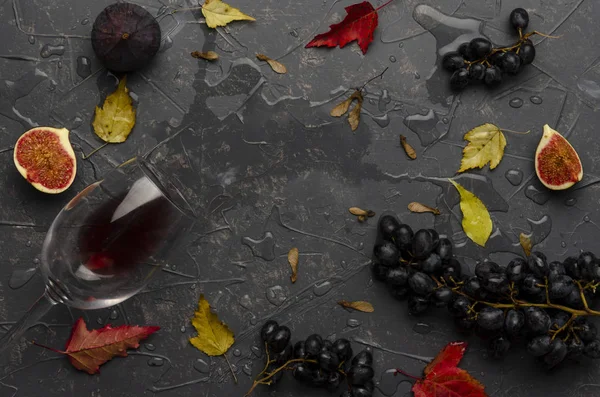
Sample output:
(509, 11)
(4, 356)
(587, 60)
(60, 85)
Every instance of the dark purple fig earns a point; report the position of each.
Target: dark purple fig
(125, 37)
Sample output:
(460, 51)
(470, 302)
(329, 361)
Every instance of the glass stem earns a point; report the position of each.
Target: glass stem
(29, 319)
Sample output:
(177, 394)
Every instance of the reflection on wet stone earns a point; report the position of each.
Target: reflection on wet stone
(263, 248)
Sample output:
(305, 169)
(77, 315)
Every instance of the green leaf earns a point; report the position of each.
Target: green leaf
(486, 145)
(476, 221)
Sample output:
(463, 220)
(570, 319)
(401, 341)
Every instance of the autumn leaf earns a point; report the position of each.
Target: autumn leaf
(115, 120)
(277, 67)
(218, 13)
(444, 379)
(359, 24)
(409, 150)
(354, 115)
(361, 306)
(208, 55)
(526, 244)
(293, 261)
(476, 221)
(486, 145)
(214, 336)
(420, 208)
(88, 350)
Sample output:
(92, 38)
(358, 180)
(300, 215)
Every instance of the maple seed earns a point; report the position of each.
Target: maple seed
(557, 164)
(410, 151)
(361, 306)
(209, 55)
(421, 208)
(276, 66)
(293, 261)
(526, 244)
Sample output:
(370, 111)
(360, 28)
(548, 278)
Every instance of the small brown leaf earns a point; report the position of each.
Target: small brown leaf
(209, 55)
(361, 306)
(293, 260)
(277, 67)
(341, 108)
(420, 208)
(357, 211)
(525, 241)
(362, 218)
(410, 151)
(354, 115)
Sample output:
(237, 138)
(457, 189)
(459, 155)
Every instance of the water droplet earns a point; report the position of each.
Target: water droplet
(237, 353)
(156, 362)
(19, 278)
(353, 323)
(253, 321)
(28, 243)
(84, 66)
(59, 64)
(570, 202)
(384, 100)
(425, 126)
(343, 264)
(563, 244)
(422, 328)
(36, 261)
(322, 288)
(263, 248)
(48, 50)
(400, 44)
(247, 369)
(515, 177)
(294, 33)
(536, 100)
(173, 267)
(276, 295)
(445, 120)
(114, 315)
(100, 320)
(201, 366)
(515, 103)
(182, 329)
(193, 286)
(392, 59)
(85, 21)
(256, 351)
(31, 39)
(417, 76)
(537, 196)
(150, 347)
(246, 302)
(586, 218)
(167, 43)
(361, 245)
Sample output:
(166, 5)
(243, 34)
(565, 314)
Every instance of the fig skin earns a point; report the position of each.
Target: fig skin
(51, 148)
(125, 37)
(557, 164)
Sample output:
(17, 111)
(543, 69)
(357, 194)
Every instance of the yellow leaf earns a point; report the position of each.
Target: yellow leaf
(214, 337)
(420, 208)
(208, 55)
(354, 115)
(476, 221)
(410, 151)
(293, 261)
(525, 243)
(486, 145)
(361, 306)
(115, 120)
(218, 13)
(277, 67)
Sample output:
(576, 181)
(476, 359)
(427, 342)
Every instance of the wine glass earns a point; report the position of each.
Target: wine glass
(109, 240)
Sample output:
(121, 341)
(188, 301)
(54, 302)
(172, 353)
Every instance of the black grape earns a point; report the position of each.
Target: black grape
(560, 287)
(400, 293)
(459, 79)
(453, 61)
(397, 277)
(444, 250)
(496, 283)
(592, 349)
(432, 265)
(388, 225)
(572, 267)
(421, 283)
(343, 349)
(476, 71)
(585, 330)
(360, 374)
(511, 63)
(558, 352)
(537, 264)
(473, 288)
(333, 381)
(387, 254)
(459, 306)
(575, 347)
(555, 269)
(365, 358)
(519, 19)
(380, 272)
(514, 322)
(443, 294)
(452, 270)
(359, 391)
(313, 344)
(498, 346)
(417, 304)
(493, 76)
(537, 321)
(490, 318)
(268, 330)
(481, 47)
(280, 339)
(484, 269)
(527, 54)
(404, 237)
(422, 244)
(539, 346)
(516, 270)
(465, 50)
(299, 350)
(328, 361)
(531, 285)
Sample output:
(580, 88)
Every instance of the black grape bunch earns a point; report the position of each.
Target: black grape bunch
(315, 362)
(478, 60)
(545, 306)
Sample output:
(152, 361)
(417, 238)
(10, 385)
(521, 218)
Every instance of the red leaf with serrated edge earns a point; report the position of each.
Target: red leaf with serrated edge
(450, 356)
(359, 24)
(449, 382)
(88, 350)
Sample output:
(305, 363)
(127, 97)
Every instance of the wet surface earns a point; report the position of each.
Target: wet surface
(269, 170)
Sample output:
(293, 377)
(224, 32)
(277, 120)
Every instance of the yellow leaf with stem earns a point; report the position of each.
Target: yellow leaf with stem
(476, 221)
(115, 120)
(217, 13)
(486, 145)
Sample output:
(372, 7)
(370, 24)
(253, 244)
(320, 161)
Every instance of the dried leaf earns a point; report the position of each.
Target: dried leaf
(362, 218)
(214, 337)
(341, 108)
(359, 24)
(208, 55)
(218, 13)
(410, 151)
(420, 208)
(444, 379)
(486, 145)
(354, 115)
(525, 243)
(357, 211)
(293, 261)
(361, 306)
(115, 120)
(88, 350)
(476, 221)
(276, 66)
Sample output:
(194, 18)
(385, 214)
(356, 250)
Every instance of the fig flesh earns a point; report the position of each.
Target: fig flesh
(556, 162)
(125, 37)
(44, 156)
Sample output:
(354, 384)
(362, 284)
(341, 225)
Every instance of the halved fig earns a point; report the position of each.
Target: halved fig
(556, 162)
(45, 157)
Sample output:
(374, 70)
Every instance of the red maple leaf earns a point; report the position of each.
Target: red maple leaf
(444, 379)
(359, 24)
(88, 350)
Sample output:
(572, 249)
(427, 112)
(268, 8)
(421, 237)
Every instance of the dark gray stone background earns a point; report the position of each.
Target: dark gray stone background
(263, 160)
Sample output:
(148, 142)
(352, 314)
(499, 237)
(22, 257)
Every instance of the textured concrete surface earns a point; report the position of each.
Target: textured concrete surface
(269, 169)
